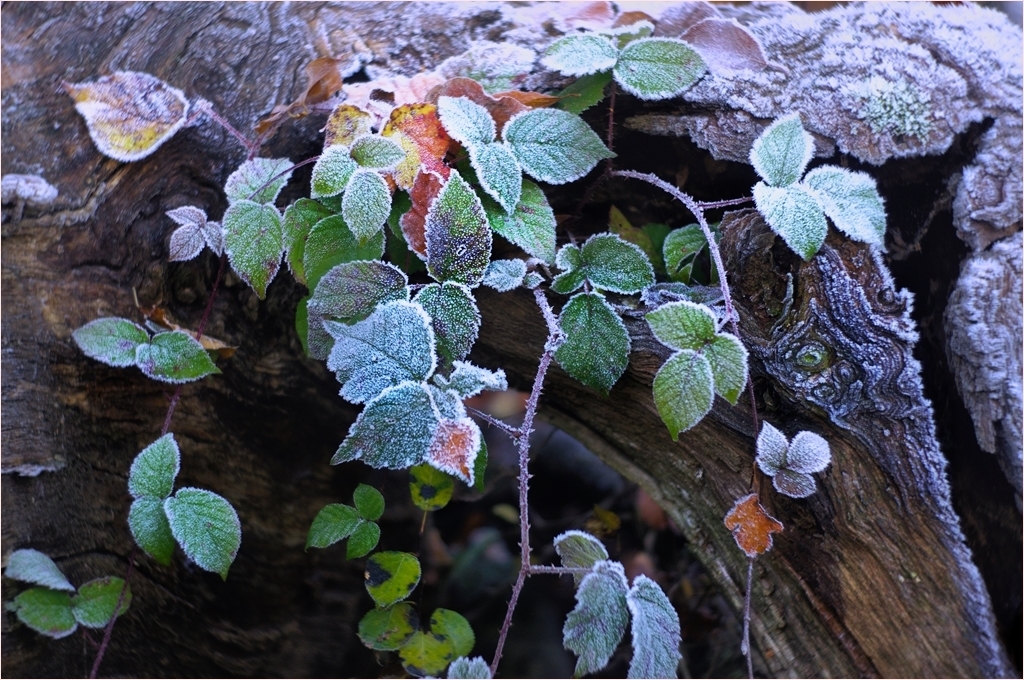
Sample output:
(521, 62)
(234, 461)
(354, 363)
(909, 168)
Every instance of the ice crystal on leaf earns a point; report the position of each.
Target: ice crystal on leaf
(594, 628)
(458, 236)
(608, 262)
(206, 527)
(655, 631)
(658, 68)
(254, 242)
(111, 340)
(154, 470)
(332, 172)
(781, 153)
(790, 465)
(504, 275)
(581, 55)
(31, 566)
(554, 146)
(454, 316)
(531, 226)
(596, 347)
(258, 179)
(394, 430)
(366, 203)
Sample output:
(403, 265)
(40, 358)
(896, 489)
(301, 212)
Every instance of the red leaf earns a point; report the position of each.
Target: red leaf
(630, 18)
(454, 447)
(418, 130)
(675, 20)
(413, 222)
(751, 526)
(726, 46)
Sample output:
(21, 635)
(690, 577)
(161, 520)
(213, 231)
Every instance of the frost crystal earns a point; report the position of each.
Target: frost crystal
(895, 107)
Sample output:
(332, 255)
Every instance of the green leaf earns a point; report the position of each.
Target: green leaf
(498, 173)
(581, 55)
(470, 668)
(206, 527)
(150, 529)
(374, 151)
(111, 340)
(174, 357)
(454, 317)
(655, 631)
(332, 172)
(680, 248)
(32, 566)
(504, 275)
(584, 93)
(454, 627)
(531, 226)
(683, 325)
(458, 235)
(366, 204)
(154, 469)
(594, 628)
(392, 345)
(394, 430)
(480, 467)
(469, 380)
(387, 629)
(683, 391)
(426, 656)
(431, 489)
(657, 233)
(608, 262)
(299, 219)
(94, 605)
(391, 576)
(331, 243)
(782, 152)
(578, 549)
(465, 121)
(794, 214)
(554, 146)
(47, 612)
(851, 201)
(334, 522)
(363, 540)
(623, 35)
(658, 68)
(369, 502)
(728, 359)
(254, 242)
(570, 262)
(596, 347)
(247, 182)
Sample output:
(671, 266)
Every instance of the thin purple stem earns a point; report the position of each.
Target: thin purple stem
(282, 174)
(745, 645)
(711, 205)
(503, 426)
(250, 146)
(560, 571)
(109, 630)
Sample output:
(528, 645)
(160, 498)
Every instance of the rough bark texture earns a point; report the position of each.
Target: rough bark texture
(873, 575)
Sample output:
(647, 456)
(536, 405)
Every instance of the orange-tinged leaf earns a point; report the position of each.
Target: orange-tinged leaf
(454, 447)
(159, 317)
(500, 109)
(751, 526)
(418, 130)
(323, 80)
(129, 114)
(346, 124)
(413, 222)
(533, 100)
(630, 18)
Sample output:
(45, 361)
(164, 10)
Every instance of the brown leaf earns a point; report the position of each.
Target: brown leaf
(500, 109)
(603, 522)
(751, 526)
(677, 19)
(726, 46)
(533, 100)
(413, 222)
(417, 129)
(346, 124)
(323, 80)
(630, 18)
(158, 316)
(453, 448)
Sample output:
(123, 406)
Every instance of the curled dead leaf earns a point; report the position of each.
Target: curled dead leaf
(323, 80)
(158, 319)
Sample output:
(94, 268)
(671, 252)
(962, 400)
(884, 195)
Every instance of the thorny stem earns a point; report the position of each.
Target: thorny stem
(109, 630)
(522, 440)
(745, 645)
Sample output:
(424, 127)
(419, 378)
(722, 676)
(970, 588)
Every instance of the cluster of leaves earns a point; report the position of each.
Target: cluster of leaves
(55, 608)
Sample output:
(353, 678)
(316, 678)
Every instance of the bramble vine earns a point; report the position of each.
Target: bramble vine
(421, 191)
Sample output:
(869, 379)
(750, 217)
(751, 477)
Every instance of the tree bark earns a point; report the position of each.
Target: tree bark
(874, 574)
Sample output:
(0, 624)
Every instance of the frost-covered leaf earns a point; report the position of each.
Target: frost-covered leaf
(683, 391)
(150, 529)
(332, 172)
(377, 152)
(791, 465)
(570, 262)
(851, 201)
(680, 248)
(581, 54)
(454, 318)
(531, 226)
(532, 280)
(174, 357)
(620, 226)
(500, 110)
(594, 628)
(808, 453)
(363, 540)
(629, 26)
(448, 402)
(772, 447)
(366, 203)
(584, 93)
(333, 523)
(194, 224)
(658, 68)
(391, 576)
(794, 214)
(392, 345)
(504, 275)
(608, 262)
(129, 114)
(153, 471)
(728, 359)
(430, 488)
(554, 146)
(726, 46)
(206, 527)
(469, 380)
(387, 629)
(663, 293)
(426, 656)
(751, 526)
(682, 325)
(32, 566)
(250, 181)
(467, 122)
(331, 243)
(418, 130)
(458, 236)
(346, 124)
(369, 502)
(498, 172)
(186, 243)
(454, 446)
(782, 152)
(655, 631)
(793, 484)
(578, 549)
(299, 219)
(394, 430)
(465, 668)
(495, 65)
(413, 223)
(47, 612)
(254, 242)
(111, 340)
(94, 604)
(596, 347)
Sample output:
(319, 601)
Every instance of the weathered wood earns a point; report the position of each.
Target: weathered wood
(871, 577)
